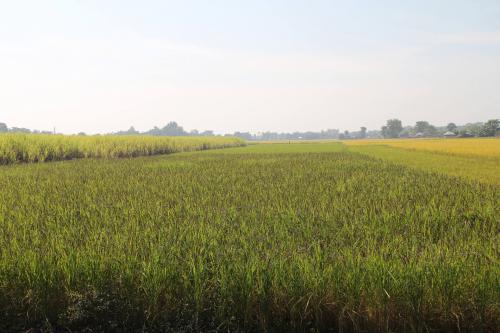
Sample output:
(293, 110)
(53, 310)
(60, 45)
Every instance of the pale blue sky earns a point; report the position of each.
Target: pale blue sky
(104, 65)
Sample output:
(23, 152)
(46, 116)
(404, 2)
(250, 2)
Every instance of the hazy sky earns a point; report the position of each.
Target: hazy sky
(104, 65)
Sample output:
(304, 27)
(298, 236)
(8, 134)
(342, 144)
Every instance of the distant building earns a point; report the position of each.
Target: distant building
(449, 134)
(419, 135)
(466, 134)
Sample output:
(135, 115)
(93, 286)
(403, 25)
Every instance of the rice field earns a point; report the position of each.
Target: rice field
(276, 237)
(475, 159)
(31, 148)
(479, 168)
(484, 147)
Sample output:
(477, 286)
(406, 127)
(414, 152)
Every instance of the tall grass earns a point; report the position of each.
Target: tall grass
(239, 239)
(42, 148)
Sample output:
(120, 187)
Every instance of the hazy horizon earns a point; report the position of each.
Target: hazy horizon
(226, 66)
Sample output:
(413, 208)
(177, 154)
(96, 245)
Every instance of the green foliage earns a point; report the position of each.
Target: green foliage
(290, 237)
(362, 132)
(421, 126)
(490, 128)
(393, 128)
(425, 128)
(451, 127)
(42, 148)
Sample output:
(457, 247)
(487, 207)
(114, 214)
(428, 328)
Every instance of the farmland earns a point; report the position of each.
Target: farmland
(15, 148)
(322, 236)
(484, 147)
(473, 159)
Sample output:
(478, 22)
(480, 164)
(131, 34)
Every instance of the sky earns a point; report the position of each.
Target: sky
(100, 66)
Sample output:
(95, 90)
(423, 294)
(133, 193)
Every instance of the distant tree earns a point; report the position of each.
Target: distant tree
(406, 132)
(347, 135)
(154, 131)
(451, 127)
(362, 132)
(392, 129)
(474, 129)
(3, 128)
(81, 134)
(20, 130)
(270, 136)
(132, 131)
(194, 132)
(422, 126)
(207, 133)
(172, 129)
(374, 134)
(243, 135)
(384, 130)
(431, 131)
(463, 133)
(490, 127)
(330, 134)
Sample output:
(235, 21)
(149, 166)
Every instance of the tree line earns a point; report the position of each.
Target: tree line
(5, 129)
(174, 129)
(171, 129)
(392, 129)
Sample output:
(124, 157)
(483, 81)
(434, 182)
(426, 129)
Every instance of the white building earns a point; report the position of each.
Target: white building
(449, 134)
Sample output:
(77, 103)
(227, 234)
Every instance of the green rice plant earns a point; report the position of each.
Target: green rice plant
(33, 148)
(479, 167)
(258, 238)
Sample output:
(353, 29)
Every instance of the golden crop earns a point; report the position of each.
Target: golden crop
(489, 147)
(41, 148)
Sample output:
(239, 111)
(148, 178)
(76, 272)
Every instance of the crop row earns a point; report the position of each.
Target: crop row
(251, 241)
(482, 147)
(42, 148)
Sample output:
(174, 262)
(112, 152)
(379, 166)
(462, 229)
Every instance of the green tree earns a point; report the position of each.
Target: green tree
(451, 127)
(393, 128)
(3, 128)
(362, 132)
(20, 130)
(490, 127)
(132, 131)
(474, 129)
(425, 128)
(422, 126)
(173, 129)
(431, 130)
(207, 133)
